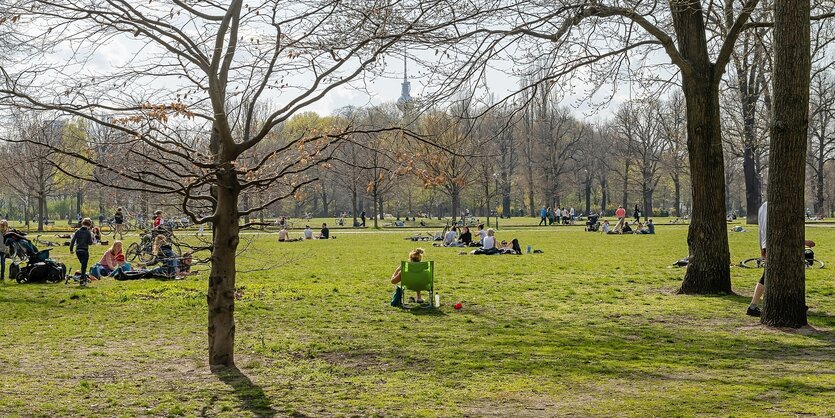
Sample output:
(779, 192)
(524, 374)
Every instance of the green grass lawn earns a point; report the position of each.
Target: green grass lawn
(592, 326)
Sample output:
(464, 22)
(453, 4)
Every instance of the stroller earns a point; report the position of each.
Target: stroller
(37, 267)
(592, 224)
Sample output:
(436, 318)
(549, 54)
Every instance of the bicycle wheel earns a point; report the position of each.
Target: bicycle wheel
(105, 228)
(133, 251)
(815, 264)
(146, 255)
(752, 263)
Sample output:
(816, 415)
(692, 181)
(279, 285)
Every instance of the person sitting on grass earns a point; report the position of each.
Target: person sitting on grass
(650, 227)
(308, 233)
(449, 237)
(415, 256)
(112, 259)
(626, 228)
(284, 236)
(482, 234)
(466, 238)
(488, 246)
(605, 229)
(325, 233)
(163, 255)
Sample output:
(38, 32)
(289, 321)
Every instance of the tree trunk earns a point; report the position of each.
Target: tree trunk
(819, 196)
(677, 187)
(456, 198)
(588, 195)
(707, 239)
(79, 202)
(785, 295)
(325, 201)
(354, 205)
(648, 192)
(626, 183)
(753, 188)
(221, 293)
(41, 211)
(604, 195)
(505, 195)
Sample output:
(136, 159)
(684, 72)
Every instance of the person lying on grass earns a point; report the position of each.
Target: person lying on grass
(415, 256)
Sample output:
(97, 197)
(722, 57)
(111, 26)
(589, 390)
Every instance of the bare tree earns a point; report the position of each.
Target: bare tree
(199, 64)
(821, 134)
(639, 124)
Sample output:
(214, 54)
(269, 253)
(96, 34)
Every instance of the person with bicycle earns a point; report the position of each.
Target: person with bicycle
(759, 289)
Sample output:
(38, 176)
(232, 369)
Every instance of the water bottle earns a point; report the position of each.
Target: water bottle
(529, 249)
(437, 300)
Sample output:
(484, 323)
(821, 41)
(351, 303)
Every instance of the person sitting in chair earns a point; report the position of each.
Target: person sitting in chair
(415, 256)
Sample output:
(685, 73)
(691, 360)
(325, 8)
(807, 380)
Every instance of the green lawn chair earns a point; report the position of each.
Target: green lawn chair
(419, 277)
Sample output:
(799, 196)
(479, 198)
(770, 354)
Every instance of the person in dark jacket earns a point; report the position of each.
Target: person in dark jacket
(80, 242)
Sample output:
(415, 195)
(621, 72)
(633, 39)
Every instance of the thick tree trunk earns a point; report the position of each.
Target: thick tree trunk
(709, 267)
(785, 294)
(325, 201)
(221, 293)
(819, 195)
(648, 192)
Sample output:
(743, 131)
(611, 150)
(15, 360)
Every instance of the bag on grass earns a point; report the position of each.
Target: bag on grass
(397, 298)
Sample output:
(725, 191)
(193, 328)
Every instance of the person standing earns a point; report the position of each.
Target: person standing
(542, 214)
(620, 213)
(157, 219)
(636, 214)
(571, 216)
(119, 223)
(362, 218)
(81, 241)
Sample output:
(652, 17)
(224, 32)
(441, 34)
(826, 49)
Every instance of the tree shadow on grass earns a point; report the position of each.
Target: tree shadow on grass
(251, 396)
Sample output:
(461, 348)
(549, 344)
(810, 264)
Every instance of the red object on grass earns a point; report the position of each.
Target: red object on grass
(458, 306)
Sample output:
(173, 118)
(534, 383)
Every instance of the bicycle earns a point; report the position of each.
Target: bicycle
(144, 249)
(41, 242)
(759, 262)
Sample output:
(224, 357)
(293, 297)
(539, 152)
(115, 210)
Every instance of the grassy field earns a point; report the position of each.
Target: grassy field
(590, 327)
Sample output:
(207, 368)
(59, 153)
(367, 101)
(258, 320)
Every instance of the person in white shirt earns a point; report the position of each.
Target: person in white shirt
(450, 236)
(762, 220)
(571, 216)
(308, 233)
(283, 235)
(490, 240)
(481, 234)
(605, 229)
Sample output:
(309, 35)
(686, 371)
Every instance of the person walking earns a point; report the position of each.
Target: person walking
(542, 214)
(637, 214)
(362, 217)
(80, 242)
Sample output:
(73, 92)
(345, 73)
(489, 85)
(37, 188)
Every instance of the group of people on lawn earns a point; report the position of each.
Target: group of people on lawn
(113, 261)
(622, 226)
(559, 215)
(284, 235)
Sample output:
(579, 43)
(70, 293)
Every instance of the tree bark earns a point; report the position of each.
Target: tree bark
(221, 293)
(785, 295)
(41, 211)
(710, 259)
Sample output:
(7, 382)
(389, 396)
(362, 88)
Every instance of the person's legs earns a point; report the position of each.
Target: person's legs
(419, 298)
(2, 266)
(753, 309)
(83, 258)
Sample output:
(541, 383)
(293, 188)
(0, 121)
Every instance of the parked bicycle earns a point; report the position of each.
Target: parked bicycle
(144, 249)
(808, 258)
